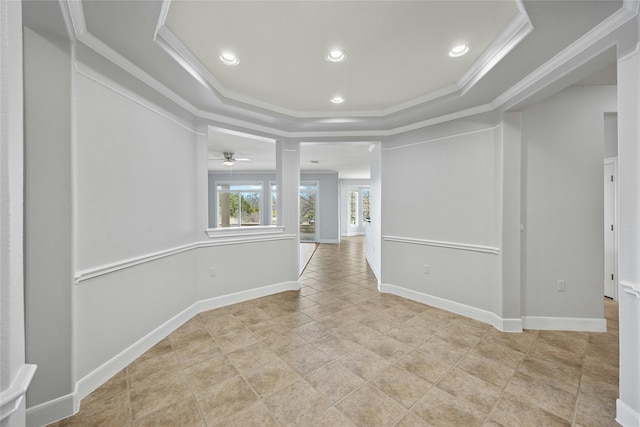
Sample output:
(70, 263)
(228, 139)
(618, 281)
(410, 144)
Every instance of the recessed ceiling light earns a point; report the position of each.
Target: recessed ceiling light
(337, 100)
(336, 55)
(458, 50)
(229, 58)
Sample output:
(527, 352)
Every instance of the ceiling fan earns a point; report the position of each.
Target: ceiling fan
(228, 159)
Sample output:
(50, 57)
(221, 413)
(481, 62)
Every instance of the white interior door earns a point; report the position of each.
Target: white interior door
(610, 273)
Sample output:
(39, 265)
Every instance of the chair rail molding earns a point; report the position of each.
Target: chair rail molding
(11, 398)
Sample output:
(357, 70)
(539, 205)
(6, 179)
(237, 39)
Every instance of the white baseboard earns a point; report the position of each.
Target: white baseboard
(375, 271)
(626, 416)
(329, 241)
(66, 406)
(504, 325)
(52, 411)
(224, 300)
(564, 324)
(354, 233)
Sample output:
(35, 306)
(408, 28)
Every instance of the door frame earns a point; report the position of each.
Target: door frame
(613, 161)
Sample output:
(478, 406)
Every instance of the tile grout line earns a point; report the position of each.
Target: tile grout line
(515, 371)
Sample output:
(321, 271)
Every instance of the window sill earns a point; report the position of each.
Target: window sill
(243, 233)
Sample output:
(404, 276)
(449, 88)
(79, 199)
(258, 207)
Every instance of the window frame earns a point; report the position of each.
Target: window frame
(239, 183)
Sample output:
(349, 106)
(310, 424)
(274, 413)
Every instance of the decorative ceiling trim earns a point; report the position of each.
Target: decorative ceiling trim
(509, 38)
(76, 13)
(107, 52)
(631, 5)
(530, 84)
(567, 55)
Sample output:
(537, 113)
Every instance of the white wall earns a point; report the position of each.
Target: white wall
(374, 228)
(563, 144)
(628, 405)
(610, 135)
(511, 248)
(12, 351)
(48, 211)
(441, 187)
(136, 190)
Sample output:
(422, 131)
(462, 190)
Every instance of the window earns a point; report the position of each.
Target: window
(358, 206)
(238, 204)
(274, 204)
(366, 213)
(353, 207)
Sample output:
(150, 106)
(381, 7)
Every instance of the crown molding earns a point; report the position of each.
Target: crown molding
(76, 11)
(597, 33)
(518, 29)
(509, 38)
(631, 5)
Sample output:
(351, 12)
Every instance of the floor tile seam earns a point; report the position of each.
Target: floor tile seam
(504, 389)
(575, 404)
(190, 387)
(126, 369)
(365, 383)
(186, 381)
(417, 401)
(455, 366)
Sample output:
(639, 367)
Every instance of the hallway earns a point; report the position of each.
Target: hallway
(339, 353)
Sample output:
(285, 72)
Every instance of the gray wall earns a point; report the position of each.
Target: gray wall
(563, 147)
(473, 181)
(610, 135)
(48, 213)
(440, 184)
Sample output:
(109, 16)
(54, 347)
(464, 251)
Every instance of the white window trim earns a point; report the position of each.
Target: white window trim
(230, 183)
(242, 233)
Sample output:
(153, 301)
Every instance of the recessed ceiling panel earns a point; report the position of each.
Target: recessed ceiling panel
(396, 51)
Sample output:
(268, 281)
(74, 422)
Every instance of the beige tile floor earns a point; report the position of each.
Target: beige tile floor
(338, 353)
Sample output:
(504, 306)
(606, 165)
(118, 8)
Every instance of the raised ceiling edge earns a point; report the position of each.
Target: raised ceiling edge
(597, 33)
(76, 13)
(529, 83)
(510, 36)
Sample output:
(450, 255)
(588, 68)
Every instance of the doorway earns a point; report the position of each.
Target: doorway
(308, 206)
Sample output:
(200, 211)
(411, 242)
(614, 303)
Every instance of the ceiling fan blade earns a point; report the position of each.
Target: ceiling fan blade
(242, 159)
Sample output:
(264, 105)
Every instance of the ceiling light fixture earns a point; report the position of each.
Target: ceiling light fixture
(228, 159)
(337, 100)
(336, 55)
(458, 50)
(229, 58)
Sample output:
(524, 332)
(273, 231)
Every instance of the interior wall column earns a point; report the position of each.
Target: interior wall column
(15, 375)
(511, 218)
(628, 404)
(288, 188)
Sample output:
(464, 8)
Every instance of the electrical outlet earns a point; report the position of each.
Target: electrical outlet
(212, 272)
(562, 286)
(427, 269)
